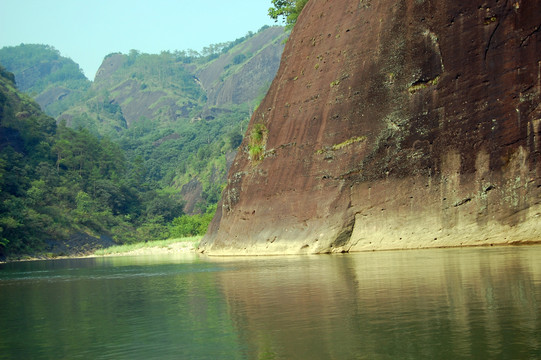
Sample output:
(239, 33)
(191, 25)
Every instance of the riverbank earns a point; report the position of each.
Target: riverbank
(158, 247)
(170, 246)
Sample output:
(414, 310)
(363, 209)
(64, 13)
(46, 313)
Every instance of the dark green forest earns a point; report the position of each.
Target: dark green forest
(138, 154)
(56, 181)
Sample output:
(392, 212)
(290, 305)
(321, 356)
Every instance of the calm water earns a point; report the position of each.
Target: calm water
(430, 304)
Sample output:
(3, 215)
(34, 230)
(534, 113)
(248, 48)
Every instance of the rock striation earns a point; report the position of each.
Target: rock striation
(393, 124)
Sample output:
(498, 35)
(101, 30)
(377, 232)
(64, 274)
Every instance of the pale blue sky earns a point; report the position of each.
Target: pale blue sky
(87, 30)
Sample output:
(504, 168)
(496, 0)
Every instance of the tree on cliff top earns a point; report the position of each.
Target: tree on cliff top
(289, 9)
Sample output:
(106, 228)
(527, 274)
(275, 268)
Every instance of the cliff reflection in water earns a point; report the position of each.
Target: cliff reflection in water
(449, 303)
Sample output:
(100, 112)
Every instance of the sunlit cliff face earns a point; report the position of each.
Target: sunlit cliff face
(393, 124)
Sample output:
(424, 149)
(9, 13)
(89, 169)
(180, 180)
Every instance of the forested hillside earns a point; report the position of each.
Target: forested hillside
(54, 81)
(178, 115)
(66, 190)
(148, 141)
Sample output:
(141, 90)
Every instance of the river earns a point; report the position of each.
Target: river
(470, 303)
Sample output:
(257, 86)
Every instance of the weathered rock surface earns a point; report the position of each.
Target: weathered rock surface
(262, 52)
(393, 124)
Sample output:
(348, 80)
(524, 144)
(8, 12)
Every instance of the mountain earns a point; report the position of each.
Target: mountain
(23, 126)
(46, 175)
(66, 191)
(179, 86)
(390, 125)
(55, 82)
(178, 115)
(25, 139)
(243, 73)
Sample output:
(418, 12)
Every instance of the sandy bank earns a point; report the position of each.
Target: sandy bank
(174, 248)
(181, 247)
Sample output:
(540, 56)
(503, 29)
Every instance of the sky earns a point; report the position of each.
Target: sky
(88, 30)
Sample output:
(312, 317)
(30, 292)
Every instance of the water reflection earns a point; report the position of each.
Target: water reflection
(452, 303)
(429, 304)
(114, 308)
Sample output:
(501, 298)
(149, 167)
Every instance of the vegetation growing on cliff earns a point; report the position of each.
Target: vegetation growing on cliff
(258, 139)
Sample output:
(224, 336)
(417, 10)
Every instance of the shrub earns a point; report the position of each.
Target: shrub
(186, 225)
(239, 59)
(258, 139)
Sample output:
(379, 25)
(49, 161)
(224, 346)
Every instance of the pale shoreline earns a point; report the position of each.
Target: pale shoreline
(180, 247)
(190, 247)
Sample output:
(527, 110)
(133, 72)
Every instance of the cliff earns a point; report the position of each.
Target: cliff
(393, 125)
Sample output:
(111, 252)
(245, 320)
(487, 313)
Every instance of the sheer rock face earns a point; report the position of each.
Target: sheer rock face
(391, 125)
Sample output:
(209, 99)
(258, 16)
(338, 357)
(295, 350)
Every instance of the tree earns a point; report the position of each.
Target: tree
(186, 225)
(238, 59)
(234, 139)
(288, 9)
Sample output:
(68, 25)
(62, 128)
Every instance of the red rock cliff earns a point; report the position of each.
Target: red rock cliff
(393, 124)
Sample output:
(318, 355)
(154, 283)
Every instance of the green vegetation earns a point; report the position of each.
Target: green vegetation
(139, 154)
(423, 85)
(335, 83)
(342, 145)
(289, 10)
(258, 139)
(120, 249)
(42, 72)
(56, 181)
(193, 225)
(348, 142)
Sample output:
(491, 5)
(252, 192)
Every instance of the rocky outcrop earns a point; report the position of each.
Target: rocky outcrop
(226, 83)
(191, 193)
(169, 87)
(32, 75)
(111, 63)
(390, 125)
(52, 95)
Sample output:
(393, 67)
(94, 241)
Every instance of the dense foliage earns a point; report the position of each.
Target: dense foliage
(56, 181)
(41, 71)
(125, 150)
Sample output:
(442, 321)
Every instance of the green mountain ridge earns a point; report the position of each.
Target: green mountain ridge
(54, 81)
(181, 113)
(140, 153)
